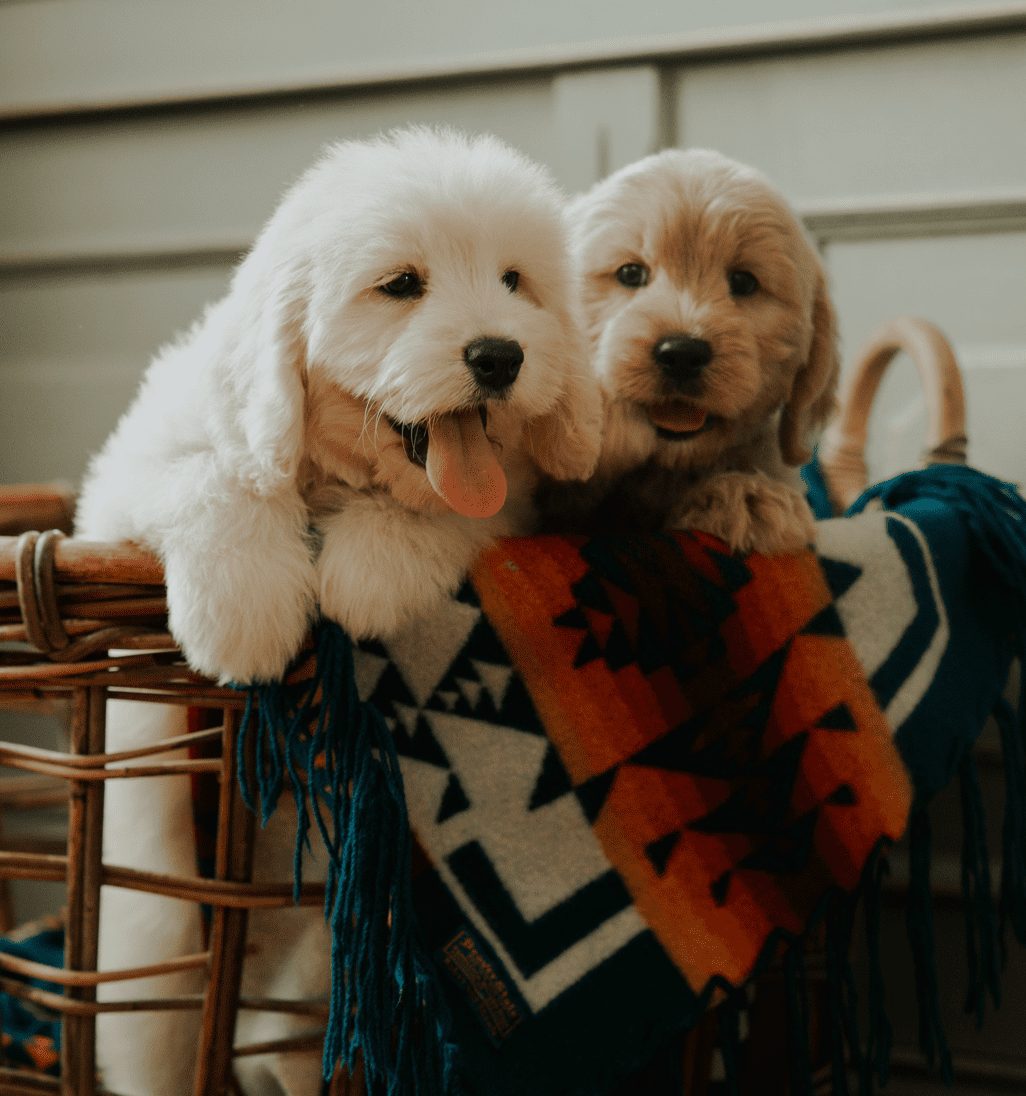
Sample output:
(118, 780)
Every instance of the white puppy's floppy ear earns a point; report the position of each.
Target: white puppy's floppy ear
(813, 397)
(565, 442)
(268, 366)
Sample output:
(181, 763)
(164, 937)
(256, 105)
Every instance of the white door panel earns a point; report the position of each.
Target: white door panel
(973, 287)
(72, 353)
(151, 184)
(54, 53)
(933, 117)
(604, 120)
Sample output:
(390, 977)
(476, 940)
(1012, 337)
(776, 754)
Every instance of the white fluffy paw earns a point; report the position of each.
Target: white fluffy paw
(240, 616)
(382, 566)
(750, 511)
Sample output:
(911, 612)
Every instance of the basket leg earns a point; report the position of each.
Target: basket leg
(236, 827)
(85, 850)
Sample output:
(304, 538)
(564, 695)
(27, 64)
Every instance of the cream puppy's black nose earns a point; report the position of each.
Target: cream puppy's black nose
(495, 363)
(681, 357)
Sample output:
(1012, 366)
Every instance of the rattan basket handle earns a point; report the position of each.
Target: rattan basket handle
(842, 451)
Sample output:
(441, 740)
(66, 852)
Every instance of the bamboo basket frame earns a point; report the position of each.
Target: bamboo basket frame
(68, 602)
(72, 601)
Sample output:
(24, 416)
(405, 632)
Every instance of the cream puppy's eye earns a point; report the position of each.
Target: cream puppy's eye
(632, 275)
(406, 284)
(742, 283)
(510, 279)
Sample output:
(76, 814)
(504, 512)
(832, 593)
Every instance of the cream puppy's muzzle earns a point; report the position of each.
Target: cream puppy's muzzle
(681, 360)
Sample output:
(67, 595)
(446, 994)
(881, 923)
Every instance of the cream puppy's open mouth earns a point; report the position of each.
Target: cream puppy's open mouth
(454, 450)
(678, 419)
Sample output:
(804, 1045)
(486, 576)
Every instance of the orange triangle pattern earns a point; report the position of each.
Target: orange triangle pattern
(687, 691)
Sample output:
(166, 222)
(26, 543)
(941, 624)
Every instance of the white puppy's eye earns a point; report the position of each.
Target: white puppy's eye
(406, 284)
(510, 279)
(632, 275)
(742, 283)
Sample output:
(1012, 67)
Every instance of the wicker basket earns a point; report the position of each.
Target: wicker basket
(69, 602)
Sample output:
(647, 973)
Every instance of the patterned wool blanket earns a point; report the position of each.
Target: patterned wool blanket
(634, 767)
(630, 764)
(613, 777)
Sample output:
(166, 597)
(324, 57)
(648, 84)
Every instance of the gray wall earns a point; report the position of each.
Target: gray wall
(142, 145)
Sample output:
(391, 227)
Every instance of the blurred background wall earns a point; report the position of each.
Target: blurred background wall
(142, 145)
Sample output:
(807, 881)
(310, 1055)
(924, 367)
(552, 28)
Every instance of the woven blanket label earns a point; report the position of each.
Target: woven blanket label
(475, 968)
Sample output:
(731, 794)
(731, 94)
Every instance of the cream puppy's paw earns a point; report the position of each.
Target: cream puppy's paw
(750, 511)
(382, 566)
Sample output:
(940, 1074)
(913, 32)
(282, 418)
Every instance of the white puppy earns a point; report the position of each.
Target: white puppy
(397, 352)
(396, 361)
(714, 342)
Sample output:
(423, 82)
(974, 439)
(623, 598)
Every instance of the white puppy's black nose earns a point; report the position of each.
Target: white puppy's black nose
(495, 363)
(681, 357)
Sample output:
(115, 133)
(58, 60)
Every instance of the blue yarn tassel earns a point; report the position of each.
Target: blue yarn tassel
(843, 998)
(995, 515)
(1013, 832)
(729, 1017)
(994, 512)
(816, 493)
(977, 900)
(385, 1000)
(919, 925)
(878, 1047)
(842, 1021)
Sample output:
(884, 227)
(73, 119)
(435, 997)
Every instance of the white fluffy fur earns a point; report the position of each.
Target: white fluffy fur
(258, 462)
(690, 218)
(272, 413)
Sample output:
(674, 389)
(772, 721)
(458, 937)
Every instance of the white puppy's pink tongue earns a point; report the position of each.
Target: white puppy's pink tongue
(462, 467)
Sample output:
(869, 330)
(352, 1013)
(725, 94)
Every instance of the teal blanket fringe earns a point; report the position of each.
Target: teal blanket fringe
(385, 1000)
(995, 515)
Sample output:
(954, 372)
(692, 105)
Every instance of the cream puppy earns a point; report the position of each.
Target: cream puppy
(396, 359)
(713, 340)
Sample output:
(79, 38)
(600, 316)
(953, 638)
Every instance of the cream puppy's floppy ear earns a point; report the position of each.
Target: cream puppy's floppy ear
(813, 397)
